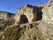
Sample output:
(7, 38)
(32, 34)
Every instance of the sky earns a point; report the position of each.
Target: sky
(13, 5)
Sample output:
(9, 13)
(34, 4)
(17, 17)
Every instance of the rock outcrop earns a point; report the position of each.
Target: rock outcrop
(32, 23)
(48, 13)
(6, 15)
(28, 13)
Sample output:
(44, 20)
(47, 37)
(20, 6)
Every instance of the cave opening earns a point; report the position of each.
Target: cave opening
(23, 19)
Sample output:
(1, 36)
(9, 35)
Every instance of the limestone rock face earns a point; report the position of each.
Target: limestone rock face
(34, 23)
(50, 2)
(30, 12)
(6, 15)
(3, 15)
(48, 13)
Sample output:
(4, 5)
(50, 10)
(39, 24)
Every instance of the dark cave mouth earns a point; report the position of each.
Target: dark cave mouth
(23, 19)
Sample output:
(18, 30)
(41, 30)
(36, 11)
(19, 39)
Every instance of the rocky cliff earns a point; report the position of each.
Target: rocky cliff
(28, 13)
(30, 23)
(6, 15)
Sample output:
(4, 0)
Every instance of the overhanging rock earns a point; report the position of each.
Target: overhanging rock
(31, 13)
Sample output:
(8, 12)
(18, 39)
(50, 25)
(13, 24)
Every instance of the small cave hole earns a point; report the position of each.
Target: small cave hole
(23, 19)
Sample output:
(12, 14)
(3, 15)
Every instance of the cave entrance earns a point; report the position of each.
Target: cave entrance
(23, 19)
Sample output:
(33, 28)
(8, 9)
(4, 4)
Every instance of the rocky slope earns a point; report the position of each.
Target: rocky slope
(22, 28)
(29, 31)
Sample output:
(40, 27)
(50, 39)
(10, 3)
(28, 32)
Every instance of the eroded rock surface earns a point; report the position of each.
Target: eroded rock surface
(30, 23)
